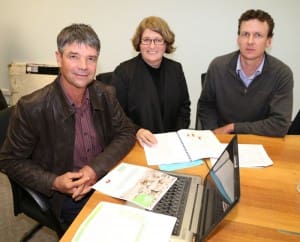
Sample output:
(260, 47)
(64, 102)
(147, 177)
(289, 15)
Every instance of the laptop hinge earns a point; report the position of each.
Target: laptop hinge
(196, 207)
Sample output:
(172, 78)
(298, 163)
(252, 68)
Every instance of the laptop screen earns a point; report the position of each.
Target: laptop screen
(221, 190)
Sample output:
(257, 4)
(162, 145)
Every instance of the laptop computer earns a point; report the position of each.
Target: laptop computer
(200, 207)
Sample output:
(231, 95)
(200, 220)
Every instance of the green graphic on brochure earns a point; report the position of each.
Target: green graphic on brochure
(144, 200)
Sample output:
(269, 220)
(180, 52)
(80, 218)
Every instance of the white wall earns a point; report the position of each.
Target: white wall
(204, 29)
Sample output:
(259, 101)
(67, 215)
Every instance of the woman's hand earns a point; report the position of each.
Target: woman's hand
(144, 136)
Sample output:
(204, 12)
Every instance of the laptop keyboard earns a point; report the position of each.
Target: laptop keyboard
(174, 201)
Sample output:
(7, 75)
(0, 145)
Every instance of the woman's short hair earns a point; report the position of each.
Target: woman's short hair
(157, 25)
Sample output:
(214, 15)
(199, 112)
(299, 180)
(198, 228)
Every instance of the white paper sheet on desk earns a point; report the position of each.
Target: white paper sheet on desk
(250, 155)
(110, 222)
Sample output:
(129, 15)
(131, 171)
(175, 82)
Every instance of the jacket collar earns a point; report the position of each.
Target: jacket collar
(61, 100)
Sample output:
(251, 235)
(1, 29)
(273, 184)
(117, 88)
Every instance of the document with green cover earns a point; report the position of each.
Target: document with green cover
(110, 222)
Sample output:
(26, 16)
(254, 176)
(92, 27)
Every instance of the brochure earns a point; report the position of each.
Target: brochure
(109, 222)
(182, 146)
(142, 186)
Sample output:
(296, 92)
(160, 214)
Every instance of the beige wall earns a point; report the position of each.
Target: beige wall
(203, 28)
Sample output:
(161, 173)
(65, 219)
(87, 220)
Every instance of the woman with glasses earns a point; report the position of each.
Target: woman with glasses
(150, 87)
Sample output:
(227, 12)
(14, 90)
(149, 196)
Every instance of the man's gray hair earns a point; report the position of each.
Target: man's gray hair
(79, 33)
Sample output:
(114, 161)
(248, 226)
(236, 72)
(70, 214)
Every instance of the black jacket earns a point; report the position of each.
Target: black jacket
(137, 94)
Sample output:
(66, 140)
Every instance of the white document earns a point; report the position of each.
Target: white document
(110, 222)
(140, 185)
(182, 146)
(250, 155)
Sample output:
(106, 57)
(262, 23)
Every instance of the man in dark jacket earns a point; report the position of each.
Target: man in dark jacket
(65, 136)
(248, 91)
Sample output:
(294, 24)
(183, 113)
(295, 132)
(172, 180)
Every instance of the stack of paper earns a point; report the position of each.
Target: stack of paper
(110, 222)
(250, 155)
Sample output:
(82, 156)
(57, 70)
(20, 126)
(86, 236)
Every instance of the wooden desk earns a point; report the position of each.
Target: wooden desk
(269, 209)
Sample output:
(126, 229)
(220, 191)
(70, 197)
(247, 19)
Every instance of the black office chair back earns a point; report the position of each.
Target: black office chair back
(104, 77)
(3, 103)
(4, 120)
(198, 124)
(295, 125)
(33, 204)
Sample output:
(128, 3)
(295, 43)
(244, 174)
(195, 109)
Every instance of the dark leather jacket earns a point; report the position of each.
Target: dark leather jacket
(40, 139)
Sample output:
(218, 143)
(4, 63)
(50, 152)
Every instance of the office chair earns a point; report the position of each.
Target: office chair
(33, 204)
(198, 124)
(295, 125)
(104, 77)
(3, 103)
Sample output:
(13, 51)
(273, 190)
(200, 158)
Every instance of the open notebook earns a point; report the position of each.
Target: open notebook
(185, 145)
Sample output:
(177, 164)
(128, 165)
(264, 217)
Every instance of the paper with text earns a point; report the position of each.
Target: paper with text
(182, 146)
(251, 155)
(140, 185)
(110, 222)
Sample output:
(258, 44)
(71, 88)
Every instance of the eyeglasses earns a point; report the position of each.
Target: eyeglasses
(148, 41)
(255, 35)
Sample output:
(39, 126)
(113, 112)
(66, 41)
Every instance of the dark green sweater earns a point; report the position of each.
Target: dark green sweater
(263, 108)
